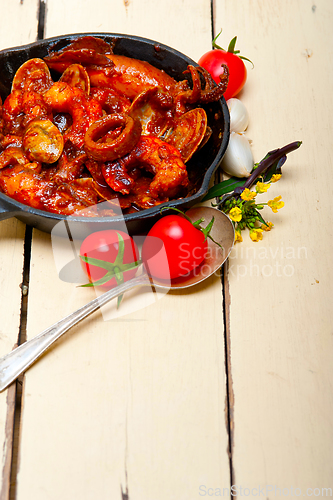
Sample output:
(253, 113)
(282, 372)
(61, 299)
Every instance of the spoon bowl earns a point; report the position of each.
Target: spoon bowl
(222, 232)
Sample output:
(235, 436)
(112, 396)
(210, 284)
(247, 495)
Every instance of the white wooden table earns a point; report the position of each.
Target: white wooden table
(226, 388)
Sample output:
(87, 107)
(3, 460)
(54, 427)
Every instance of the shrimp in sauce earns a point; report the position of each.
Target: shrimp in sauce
(110, 127)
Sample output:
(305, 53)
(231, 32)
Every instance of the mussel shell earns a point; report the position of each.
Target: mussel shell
(76, 76)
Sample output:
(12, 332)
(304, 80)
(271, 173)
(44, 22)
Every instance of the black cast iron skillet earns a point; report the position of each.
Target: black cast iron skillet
(201, 167)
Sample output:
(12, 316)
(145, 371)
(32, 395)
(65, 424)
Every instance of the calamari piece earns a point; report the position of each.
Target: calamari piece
(131, 76)
(156, 157)
(212, 92)
(62, 98)
(34, 75)
(42, 141)
(76, 76)
(186, 97)
(84, 50)
(89, 42)
(110, 100)
(59, 62)
(119, 145)
(154, 109)
(188, 131)
(189, 95)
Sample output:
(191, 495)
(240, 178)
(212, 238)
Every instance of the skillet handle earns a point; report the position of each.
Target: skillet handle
(6, 211)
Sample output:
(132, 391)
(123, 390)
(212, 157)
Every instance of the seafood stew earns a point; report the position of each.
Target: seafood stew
(158, 144)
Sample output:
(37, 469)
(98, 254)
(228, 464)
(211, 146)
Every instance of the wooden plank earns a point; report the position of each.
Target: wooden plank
(163, 22)
(281, 288)
(125, 398)
(131, 407)
(19, 22)
(18, 25)
(11, 266)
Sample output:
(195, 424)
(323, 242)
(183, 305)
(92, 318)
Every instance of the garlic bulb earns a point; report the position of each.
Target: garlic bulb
(239, 116)
(238, 159)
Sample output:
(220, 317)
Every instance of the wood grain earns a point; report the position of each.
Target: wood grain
(11, 268)
(280, 288)
(133, 406)
(185, 25)
(136, 407)
(19, 22)
(18, 25)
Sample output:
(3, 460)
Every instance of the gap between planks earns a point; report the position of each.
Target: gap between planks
(15, 393)
(229, 403)
(17, 387)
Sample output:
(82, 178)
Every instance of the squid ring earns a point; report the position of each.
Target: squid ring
(112, 137)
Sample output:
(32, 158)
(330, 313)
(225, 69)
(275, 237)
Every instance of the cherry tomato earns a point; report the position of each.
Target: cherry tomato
(212, 61)
(116, 251)
(185, 247)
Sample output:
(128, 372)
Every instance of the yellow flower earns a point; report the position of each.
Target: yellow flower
(235, 214)
(267, 227)
(276, 177)
(275, 204)
(256, 234)
(238, 236)
(248, 195)
(261, 187)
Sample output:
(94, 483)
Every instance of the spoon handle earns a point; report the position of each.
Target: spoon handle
(18, 360)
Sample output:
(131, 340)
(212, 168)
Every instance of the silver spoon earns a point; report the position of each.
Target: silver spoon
(22, 357)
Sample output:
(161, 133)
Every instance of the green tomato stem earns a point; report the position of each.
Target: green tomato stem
(231, 48)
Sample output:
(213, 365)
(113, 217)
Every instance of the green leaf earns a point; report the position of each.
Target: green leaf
(214, 44)
(119, 280)
(109, 266)
(246, 59)
(97, 262)
(206, 230)
(112, 273)
(232, 44)
(108, 276)
(131, 265)
(224, 187)
(262, 220)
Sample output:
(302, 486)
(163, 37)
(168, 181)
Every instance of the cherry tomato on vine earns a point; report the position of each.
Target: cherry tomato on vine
(212, 61)
(109, 257)
(185, 247)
